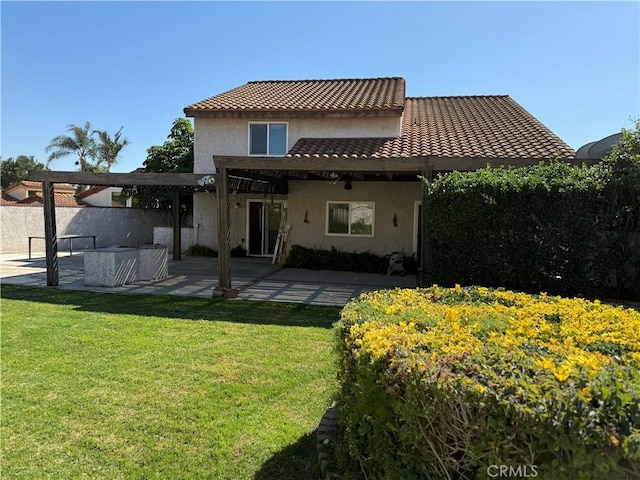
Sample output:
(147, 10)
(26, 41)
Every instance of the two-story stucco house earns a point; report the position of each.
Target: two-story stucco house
(365, 124)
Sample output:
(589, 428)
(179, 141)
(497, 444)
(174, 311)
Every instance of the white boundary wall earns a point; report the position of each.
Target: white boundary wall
(112, 226)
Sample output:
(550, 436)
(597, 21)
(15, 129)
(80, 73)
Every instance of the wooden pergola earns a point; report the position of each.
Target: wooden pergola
(276, 168)
(258, 175)
(177, 182)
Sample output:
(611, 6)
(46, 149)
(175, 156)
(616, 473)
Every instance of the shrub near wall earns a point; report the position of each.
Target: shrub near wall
(339, 260)
(448, 383)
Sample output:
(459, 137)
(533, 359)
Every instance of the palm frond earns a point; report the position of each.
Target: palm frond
(80, 142)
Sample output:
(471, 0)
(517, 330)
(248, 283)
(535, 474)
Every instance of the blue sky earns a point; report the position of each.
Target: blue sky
(574, 65)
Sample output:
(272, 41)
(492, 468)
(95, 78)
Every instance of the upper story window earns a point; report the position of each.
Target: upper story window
(267, 138)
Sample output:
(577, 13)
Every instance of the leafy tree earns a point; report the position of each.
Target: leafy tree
(176, 154)
(173, 156)
(16, 170)
(80, 143)
(108, 148)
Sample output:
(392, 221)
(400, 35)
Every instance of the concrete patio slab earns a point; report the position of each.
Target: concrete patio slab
(255, 278)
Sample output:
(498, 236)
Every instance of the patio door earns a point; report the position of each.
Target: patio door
(263, 222)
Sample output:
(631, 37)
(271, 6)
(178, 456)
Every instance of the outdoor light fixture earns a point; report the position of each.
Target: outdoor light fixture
(347, 185)
(207, 180)
(333, 175)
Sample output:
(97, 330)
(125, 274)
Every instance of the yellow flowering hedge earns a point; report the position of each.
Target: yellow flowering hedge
(444, 383)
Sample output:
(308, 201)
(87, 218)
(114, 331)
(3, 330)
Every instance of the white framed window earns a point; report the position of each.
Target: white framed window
(350, 218)
(268, 138)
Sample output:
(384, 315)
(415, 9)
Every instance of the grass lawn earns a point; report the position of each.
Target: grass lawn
(116, 386)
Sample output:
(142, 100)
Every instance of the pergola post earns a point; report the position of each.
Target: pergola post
(177, 228)
(224, 238)
(50, 234)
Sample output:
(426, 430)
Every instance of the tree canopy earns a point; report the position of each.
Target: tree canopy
(16, 170)
(108, 147)
(93, 156)
(173, 156)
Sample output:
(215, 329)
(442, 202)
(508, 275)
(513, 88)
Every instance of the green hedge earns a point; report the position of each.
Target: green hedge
(336, 259)
(556, 228)
(446, 383)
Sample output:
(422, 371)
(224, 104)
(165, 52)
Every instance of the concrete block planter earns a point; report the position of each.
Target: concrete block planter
(116, 266)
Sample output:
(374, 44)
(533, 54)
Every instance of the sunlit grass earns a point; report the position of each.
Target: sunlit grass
(132, 386)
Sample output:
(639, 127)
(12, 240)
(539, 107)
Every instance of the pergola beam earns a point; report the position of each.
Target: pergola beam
(118, 179)
(414, 164)
(376, 165)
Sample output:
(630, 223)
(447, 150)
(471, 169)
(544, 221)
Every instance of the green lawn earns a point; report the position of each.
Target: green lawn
(115, 386)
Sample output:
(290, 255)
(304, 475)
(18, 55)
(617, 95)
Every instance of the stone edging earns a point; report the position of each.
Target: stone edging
(327, 435)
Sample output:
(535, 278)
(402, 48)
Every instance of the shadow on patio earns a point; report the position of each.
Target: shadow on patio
(255, 278)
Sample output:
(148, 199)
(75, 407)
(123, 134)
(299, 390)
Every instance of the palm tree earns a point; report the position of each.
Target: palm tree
(80, 143)
(108, 148)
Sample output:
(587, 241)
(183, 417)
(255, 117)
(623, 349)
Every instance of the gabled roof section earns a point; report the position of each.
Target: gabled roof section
(64, 195)
(371, 95)
(30, 185)
(7, 199)
(452, 127)
(60, 200)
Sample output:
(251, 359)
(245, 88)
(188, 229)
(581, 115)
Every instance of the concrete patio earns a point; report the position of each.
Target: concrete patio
(255, 278)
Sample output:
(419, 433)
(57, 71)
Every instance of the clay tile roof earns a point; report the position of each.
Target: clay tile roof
(462, 127)
(67, 200)
(307, 96)
(26, 183)
(60, 199)
(59, 187)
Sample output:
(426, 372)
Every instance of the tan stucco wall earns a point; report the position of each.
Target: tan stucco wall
(389, 197)
(230, 136)
(205, 220)
(103, 198)
(112, 226)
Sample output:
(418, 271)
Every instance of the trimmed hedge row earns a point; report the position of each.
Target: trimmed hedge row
(336, 259)
(446, 383)
(556, 228)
